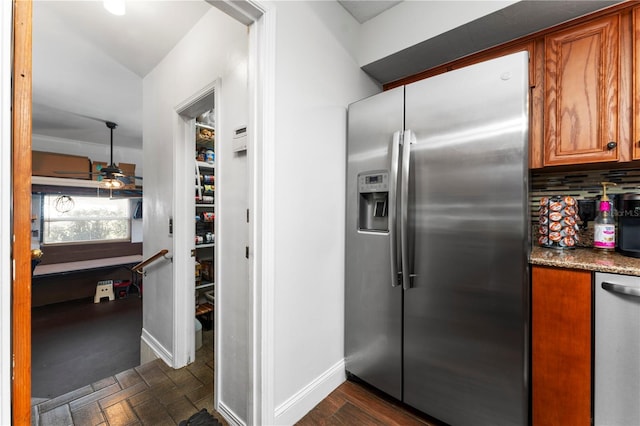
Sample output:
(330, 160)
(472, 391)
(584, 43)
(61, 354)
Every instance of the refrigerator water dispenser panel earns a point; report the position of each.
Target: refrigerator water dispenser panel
(373, 198)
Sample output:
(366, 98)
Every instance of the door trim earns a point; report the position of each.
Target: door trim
(183, 243)
(21, 193)
(262, 56)
(6, 30)
(260, 16)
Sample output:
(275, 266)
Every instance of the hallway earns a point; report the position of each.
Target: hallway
(150, 394)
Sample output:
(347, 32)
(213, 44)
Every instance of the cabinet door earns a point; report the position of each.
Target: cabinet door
(636, 81)
(581, 93)
(561, 347)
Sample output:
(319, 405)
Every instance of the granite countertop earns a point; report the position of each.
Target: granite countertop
(587, 259)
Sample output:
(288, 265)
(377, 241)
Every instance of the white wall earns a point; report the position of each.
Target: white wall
(317, 76)
(5, 211)
(233, 287)
(412, 22)
(215, 48)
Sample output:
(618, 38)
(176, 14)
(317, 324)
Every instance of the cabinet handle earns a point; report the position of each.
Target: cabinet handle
(617, 288)
(612, 145)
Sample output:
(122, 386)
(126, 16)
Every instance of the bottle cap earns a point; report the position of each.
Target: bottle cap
(605, 206)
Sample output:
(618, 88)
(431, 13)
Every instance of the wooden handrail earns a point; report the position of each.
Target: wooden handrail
(139, 266)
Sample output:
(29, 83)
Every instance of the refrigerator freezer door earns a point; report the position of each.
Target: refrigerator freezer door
(617, 354)
(466, 316)
(373, 316)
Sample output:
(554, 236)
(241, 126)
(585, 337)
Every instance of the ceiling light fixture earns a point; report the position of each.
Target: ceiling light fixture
(111, 183)
(110, 176)
(117, 7)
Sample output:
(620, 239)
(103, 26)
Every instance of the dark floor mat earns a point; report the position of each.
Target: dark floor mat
(201, 418)
(78, 343)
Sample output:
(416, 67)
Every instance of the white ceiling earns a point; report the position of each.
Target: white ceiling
(363, 10)
(138, 39)
(88, 64)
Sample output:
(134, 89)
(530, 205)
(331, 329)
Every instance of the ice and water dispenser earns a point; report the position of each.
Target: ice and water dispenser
(373, 200)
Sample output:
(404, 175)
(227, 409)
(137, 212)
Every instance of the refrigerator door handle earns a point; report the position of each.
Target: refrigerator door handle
(393, 217)
(623, 289)
(408, 138)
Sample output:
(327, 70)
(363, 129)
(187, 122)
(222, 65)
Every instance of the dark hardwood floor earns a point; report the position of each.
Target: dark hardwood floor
(355, 404)
(150, 394)
(79, 342)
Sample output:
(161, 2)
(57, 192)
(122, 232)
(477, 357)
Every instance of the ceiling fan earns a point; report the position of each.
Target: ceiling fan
(111, 176)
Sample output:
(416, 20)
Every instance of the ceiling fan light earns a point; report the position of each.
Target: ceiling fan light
(117, 7)
(112, 183)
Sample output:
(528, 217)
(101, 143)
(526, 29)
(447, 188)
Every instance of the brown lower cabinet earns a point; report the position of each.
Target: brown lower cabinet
(561, 347)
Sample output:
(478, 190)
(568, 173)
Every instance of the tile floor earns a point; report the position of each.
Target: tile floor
(150, 394)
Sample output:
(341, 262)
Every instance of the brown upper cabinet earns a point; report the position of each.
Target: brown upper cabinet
(581, 89)
(636, 82)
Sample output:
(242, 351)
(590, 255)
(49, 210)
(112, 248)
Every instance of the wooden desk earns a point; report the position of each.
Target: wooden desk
(86, 265)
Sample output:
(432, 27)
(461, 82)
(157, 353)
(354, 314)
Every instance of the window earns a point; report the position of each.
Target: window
(84, 219)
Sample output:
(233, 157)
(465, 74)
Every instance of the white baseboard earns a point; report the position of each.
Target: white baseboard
(228, 414)
(294, 408)
(155, 347)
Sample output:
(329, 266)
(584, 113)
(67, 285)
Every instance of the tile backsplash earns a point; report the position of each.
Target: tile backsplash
(582, 185)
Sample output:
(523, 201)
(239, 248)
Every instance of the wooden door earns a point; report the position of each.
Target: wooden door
(581, 93)
(21, 217)
(561, 347)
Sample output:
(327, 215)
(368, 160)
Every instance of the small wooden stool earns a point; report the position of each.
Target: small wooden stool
(104, 289)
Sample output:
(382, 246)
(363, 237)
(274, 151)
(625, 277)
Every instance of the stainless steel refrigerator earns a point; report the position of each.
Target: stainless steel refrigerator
(437, 281)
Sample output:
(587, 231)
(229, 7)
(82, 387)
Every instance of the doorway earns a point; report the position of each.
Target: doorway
(222, 188)
(196, 219)
(257, 166)
(71, 117)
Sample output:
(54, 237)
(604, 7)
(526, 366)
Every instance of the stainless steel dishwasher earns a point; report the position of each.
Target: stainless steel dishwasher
(617, 350)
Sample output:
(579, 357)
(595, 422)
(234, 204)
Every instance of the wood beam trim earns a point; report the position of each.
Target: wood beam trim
(21, 196)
